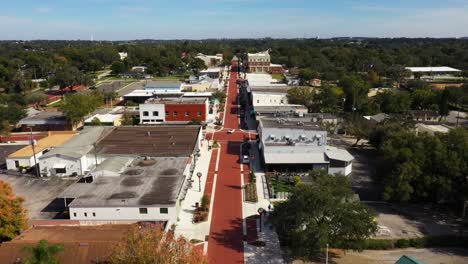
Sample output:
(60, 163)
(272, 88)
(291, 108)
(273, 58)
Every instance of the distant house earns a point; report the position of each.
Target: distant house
(315, 82)
(211, 60)
(49, 120)
(213, 73)
(123, 55)
(139, 69)
(425, 115)
(376, 119)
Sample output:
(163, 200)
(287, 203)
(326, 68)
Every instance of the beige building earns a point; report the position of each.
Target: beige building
(261, 63)
(211, 60)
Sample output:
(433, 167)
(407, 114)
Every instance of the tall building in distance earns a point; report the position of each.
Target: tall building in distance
(261, 63)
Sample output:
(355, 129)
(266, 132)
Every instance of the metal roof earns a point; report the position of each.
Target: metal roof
(338, 154)
(432, 69)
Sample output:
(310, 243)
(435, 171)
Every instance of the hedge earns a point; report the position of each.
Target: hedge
(420, 242)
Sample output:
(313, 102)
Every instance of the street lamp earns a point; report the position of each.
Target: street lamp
(260, 212)
(199, 174)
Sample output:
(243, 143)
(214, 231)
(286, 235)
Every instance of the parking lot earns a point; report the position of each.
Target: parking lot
(39, 194)
(121, 87)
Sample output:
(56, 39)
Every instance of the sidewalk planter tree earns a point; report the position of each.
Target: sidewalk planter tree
(323, 212)
(201, 212)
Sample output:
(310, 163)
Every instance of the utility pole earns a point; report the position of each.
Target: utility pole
(326, 256)
(36, 167)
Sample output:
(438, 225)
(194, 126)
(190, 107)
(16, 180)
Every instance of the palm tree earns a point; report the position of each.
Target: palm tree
(43, 253)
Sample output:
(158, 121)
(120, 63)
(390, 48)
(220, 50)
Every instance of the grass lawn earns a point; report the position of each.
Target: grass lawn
(277, 76)
(281, 185)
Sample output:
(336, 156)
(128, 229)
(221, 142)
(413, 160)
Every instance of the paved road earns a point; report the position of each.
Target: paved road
(225, 244)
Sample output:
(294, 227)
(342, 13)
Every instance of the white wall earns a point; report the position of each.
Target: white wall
(266, 99)
(151, 108)
(26, 162)
(72, 165)
(341, 170)
(123, 213)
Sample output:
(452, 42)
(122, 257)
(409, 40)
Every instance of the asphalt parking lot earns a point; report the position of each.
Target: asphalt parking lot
(39, 194)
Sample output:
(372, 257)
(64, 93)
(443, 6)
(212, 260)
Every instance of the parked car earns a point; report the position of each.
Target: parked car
(245, 159)
(230, 131)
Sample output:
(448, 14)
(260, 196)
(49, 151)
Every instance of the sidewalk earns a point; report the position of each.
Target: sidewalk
(185, 227)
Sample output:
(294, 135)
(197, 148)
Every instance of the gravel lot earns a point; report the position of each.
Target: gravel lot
(39, 194)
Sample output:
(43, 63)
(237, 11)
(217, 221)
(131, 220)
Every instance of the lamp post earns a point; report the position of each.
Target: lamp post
(260, 212)
(199, 174)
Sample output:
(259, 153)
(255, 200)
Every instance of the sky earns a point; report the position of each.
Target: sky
(201, 19)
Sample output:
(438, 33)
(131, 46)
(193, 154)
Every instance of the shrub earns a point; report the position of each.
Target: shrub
(204, 203)
(402, 243)
(378, 244)
(297, 180)
(252, 177)
(215, 144)
(251, 193)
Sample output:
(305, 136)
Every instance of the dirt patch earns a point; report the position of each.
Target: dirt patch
(134, 172)
(146, 163)
(169, 172)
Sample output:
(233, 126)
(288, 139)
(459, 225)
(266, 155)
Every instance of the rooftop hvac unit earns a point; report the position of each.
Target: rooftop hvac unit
(272, 137)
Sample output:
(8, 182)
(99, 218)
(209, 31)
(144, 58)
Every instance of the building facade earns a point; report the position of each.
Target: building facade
(261, 63)
(155, 111)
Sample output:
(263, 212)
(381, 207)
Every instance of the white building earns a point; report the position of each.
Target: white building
(73, 157)
(28, 156)
(142, 175)
(433, 72)
(300, 145)
(269, 99)
(123, 55)
(211, 60)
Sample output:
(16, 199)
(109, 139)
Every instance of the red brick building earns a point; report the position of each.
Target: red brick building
(182, 109)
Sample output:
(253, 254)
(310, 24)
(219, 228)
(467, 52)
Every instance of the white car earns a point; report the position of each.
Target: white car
(231, 131)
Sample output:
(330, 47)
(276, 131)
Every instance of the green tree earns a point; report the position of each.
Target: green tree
(301, 95)
(76, 106)
(358, 127)
(118, 67)
(220, 96)
(197, 65)
(330, 98)
(12, 213)
(127, 119)
(355, 90)
(36, 98)
(395, 102)
(322, 212)
(96, 122)
(307, 74)
(43, 253)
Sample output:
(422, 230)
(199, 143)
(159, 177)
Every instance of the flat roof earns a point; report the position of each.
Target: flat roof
(279, 108)
(6, 150)
(163, 84)
(152, 182)
(338, 154)
(163, 140)
(180, 100)
(290, 155)
(81, 144)
(432, 69)
(55, 138)
(291, 123)
(45, 117)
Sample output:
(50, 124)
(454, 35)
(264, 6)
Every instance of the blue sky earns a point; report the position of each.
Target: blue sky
(198, 19)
